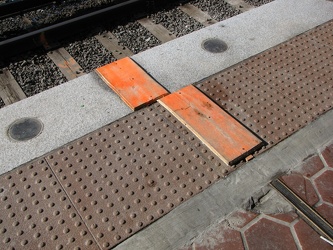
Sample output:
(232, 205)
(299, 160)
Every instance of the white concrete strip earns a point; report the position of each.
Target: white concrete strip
(68, 112)
(212, 205)
(183, 61)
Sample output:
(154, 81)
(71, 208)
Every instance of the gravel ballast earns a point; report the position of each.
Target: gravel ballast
(89, 54)
(258, 2)
(36, 74)
(135, 37)
(47, 15)
(217, 9)
(176, 21)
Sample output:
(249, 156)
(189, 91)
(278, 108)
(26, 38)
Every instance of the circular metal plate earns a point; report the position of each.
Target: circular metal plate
(25, 129)
(214, 45)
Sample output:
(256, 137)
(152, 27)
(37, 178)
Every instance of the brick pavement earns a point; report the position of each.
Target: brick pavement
(247, 229)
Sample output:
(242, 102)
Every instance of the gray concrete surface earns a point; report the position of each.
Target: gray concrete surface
(68, 111)
(192, 217)
(182, 61)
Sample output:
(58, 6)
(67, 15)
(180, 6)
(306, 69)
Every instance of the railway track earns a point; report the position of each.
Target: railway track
(35, 71)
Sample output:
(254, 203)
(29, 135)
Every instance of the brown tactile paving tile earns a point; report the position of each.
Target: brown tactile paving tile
(328, 155)
(301, 69)
(240, 218)
(36, 212)
(323, 33)
(126, 175)
(219, 237)
(326, 211)
(308, 238)
(324, 184)
(287, 217)
(260, 107)
(266, 234)
(302, 187)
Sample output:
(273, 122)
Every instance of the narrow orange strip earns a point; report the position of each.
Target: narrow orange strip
(224, 135)
(134, 86)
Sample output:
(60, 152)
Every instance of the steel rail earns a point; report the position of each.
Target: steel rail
(22, 6)
(44, 37)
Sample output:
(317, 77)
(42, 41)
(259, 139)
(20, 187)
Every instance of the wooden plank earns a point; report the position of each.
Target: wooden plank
(197, 14)
(134, 86)
(10, 90)
(66, 63)
(240, 5)
(111, 43)
(159, 31)
(224, 135)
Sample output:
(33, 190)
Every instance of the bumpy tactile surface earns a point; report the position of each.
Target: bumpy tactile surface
(126, 175)
(280, 90)
(36, 212)
(301, 69)
(323, 34)
(264, 110)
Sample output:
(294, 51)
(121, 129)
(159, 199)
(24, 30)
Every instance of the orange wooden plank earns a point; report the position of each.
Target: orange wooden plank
(224, 135)
(134, 86)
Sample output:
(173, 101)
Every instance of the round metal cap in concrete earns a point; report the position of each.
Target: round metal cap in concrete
(25, 129)
(214, 45)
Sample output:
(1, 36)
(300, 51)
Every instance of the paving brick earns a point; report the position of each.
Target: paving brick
(240, 218)
(287, 217)
(326, 211)
(219, 237)
(328, 155)
(267, 234)
(311, 166)
(324, 183)
(308, 238)
(302, 187)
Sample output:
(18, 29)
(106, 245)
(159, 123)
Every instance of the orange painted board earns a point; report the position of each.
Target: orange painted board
(134, 86)
(218, 130)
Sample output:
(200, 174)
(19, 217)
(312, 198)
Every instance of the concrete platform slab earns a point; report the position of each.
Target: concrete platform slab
(246, 35)
(67, 112)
